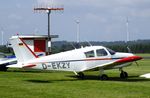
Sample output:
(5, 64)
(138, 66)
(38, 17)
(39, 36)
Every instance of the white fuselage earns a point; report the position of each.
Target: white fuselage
(77, 60)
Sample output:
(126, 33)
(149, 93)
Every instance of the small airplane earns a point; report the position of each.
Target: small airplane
(5, 57)
(6, 60)
(77, 60)
(145, 75)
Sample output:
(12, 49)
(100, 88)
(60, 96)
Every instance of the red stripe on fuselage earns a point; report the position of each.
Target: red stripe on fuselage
(91, 59)
(120, 60)
(29, 66)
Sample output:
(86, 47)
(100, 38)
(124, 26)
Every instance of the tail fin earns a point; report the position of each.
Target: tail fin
(22, 51)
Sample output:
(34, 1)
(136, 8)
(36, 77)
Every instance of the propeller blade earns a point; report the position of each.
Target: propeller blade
(136, 63)
(129, 50)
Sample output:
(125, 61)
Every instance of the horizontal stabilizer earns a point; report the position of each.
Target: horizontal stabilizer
(14, 66)
(20, 66)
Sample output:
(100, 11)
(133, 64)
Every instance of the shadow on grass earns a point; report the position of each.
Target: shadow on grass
(29, 71)
(92, 77)
(49, 81)
(129, 79)
(39, 81)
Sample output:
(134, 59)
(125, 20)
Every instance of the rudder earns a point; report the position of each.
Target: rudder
(22, 51)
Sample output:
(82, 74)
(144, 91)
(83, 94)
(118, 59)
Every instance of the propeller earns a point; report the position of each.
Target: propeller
(137, 63)
(129, 50)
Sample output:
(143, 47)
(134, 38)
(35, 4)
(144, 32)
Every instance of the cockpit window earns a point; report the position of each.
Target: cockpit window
(101, 52)
(112, 52)
(89, 54)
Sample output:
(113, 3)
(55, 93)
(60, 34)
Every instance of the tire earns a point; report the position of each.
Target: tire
(126, 74)
(104, 77)
(81, 75)
(3, 67)
(123, 75)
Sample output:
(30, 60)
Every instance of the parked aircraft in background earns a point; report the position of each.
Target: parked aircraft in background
(145, 75)
(5, 57)
(77, 60)
(6, 60)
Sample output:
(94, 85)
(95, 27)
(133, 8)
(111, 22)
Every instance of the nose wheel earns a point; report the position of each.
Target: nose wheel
(123, 75)
(102, 75)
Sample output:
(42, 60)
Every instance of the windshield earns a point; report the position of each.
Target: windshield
(112, 52)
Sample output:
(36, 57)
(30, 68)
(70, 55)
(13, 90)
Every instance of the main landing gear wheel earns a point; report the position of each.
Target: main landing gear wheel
(103, 77)
(80, 75)
(123, 75)
(3, 67)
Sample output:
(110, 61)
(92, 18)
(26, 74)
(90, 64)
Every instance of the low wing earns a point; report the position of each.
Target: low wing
(14, 66)
(103, 66)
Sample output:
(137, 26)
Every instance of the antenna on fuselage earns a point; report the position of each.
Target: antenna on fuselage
(89, 43)
(81, 45)
(78, 45)
(72, 45)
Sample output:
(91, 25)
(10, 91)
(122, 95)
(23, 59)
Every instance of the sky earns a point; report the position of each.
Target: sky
(100, 20)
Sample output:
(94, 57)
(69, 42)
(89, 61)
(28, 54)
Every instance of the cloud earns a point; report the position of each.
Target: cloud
(145, 13)
(98, 17)
(103, 3)
(14, 16)
(18, 5)
(48, 2)
(133, 8)
(95, 18)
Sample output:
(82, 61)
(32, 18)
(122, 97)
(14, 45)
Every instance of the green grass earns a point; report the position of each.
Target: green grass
(144, 55)
(48, 84)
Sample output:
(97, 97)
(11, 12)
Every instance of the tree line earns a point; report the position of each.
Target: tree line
(138, 46)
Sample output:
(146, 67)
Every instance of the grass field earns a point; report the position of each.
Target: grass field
(48, 84)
